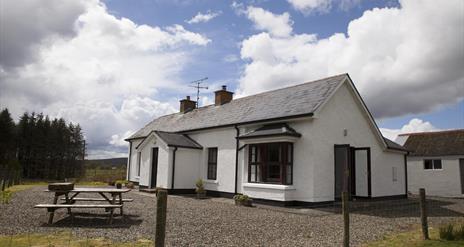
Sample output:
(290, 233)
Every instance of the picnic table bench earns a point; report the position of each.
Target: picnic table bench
(114, 200)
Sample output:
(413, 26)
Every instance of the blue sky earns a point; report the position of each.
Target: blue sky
(114, 65)
(228, 29)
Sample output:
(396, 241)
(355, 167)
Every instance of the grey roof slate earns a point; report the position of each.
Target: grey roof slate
(450, 142)
(286, 102)
(178, 140)
(280, 129)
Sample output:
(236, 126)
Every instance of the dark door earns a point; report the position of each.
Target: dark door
(342, 164)
(461, 167)
(154, 167)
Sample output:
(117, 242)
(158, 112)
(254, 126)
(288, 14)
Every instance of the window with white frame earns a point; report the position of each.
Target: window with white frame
(139, 161)
(432, 164)
(212, 163)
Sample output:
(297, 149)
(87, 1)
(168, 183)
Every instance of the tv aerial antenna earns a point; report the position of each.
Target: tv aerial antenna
(198, 86)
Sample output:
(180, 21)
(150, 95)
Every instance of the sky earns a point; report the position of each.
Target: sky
(114, 65)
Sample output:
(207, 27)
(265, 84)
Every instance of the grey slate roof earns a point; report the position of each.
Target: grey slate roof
(440, 143)
(393, 145)
(178, 140)
(280, 129)
(299, 100)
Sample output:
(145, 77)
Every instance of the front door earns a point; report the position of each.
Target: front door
(361, 181)
(342, 164)
(154, 167)
(461, 167)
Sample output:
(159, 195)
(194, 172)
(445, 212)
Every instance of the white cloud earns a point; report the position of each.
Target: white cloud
(414, 125)
(200, 17)
(308, 6)
(403, 60)
(119, 139)
(277, 25)
(103, 72)
(322, 6)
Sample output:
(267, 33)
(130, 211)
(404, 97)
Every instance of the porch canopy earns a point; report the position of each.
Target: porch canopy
(279, 131)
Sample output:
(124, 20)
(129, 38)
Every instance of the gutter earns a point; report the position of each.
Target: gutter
(310, 114)
(237, 144)
(173, 166)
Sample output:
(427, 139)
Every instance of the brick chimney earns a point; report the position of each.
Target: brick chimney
(222, 96)
(187, 105)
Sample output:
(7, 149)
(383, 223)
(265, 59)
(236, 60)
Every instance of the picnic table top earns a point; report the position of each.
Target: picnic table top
(95, 190)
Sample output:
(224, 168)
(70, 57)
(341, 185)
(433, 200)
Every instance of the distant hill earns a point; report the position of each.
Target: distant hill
(107, 163)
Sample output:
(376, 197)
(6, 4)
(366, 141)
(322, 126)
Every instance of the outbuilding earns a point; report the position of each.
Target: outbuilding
(436, 162)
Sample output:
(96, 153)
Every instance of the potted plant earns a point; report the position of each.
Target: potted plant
(130, 185)
(243, 200)
(200, 189)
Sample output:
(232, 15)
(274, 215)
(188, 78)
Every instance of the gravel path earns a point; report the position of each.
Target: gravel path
(217, 222)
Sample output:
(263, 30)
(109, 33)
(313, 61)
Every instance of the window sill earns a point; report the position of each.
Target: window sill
(269, 186)
(211, 181)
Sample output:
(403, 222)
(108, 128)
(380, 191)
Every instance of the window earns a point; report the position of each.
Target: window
(270, 163)
(394, 174)
(139, 161)
(212, 163)
(432, 164)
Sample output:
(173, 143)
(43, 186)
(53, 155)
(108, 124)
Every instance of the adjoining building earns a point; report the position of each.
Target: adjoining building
(435, 162)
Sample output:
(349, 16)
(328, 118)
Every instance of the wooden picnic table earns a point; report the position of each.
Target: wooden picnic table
(114, 199)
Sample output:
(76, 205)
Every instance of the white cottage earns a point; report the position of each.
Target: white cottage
(288, 146)
(435, 162)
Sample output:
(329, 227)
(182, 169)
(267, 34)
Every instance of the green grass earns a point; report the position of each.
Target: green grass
(64, 239)
(104, 175)
(414, 239)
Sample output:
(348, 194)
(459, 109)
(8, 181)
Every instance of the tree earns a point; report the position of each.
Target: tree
(7, 136)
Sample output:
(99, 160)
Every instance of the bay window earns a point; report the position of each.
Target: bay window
(270, 163)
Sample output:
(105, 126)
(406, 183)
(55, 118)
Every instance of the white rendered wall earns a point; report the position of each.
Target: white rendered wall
(444, 182)
(340, 113)
(224, 140)
(146, 163)
(132, 173)
(187, 169)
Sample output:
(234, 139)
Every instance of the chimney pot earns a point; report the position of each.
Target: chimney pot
(187, 105)
(222, 96)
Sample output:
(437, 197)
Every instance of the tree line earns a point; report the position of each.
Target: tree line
(38, 147)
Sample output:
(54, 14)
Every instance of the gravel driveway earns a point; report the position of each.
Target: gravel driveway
(217, 222)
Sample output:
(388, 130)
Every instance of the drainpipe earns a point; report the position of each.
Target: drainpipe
(129, 161)
(237, 144)
(173, 166)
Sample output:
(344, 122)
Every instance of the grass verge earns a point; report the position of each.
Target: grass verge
(64, 239)
(414, 239)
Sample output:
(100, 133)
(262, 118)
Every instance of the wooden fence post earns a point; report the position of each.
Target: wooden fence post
(423, 214)
(346, 219)
(161, 205)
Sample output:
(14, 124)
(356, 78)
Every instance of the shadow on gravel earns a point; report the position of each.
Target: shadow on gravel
(401, 208)
(91, 220)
